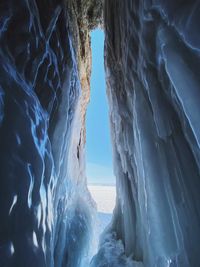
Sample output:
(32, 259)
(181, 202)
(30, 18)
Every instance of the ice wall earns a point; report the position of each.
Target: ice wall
(45, 208)
(152, 65)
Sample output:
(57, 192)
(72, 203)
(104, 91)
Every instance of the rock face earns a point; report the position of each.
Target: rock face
(152, 64)
(44, 89)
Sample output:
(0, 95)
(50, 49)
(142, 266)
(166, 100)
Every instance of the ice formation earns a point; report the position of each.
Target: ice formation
(45, 206)
(152, 64)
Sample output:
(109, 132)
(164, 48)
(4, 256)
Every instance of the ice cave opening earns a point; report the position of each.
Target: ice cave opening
(152, 63)
(99, 167)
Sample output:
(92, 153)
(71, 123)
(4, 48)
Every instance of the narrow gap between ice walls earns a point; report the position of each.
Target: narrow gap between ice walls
(99, 167)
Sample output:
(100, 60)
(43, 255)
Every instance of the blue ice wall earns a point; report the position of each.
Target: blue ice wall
(44, 220)
(152, 65)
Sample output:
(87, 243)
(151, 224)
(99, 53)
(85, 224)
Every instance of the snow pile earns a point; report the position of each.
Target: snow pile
(111, 254)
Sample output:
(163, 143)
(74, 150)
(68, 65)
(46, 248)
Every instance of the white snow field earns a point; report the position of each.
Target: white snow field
(111, 250)
(104, 196)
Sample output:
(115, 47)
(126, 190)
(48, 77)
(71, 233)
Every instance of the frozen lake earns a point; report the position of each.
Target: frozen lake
(104, 196)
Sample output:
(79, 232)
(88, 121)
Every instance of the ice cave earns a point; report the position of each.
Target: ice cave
(152, 66)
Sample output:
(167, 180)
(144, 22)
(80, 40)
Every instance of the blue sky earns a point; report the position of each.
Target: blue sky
(98, 144)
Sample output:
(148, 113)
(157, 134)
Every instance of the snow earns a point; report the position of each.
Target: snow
(104, 196)
(111, 251)
(111, 254)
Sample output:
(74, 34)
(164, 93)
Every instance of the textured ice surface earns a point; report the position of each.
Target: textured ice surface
(111, 254)
(45, 211)
(152, 65)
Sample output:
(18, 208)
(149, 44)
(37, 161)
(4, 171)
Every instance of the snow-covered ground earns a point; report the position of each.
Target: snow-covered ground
(104, 196)
(111, 251)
